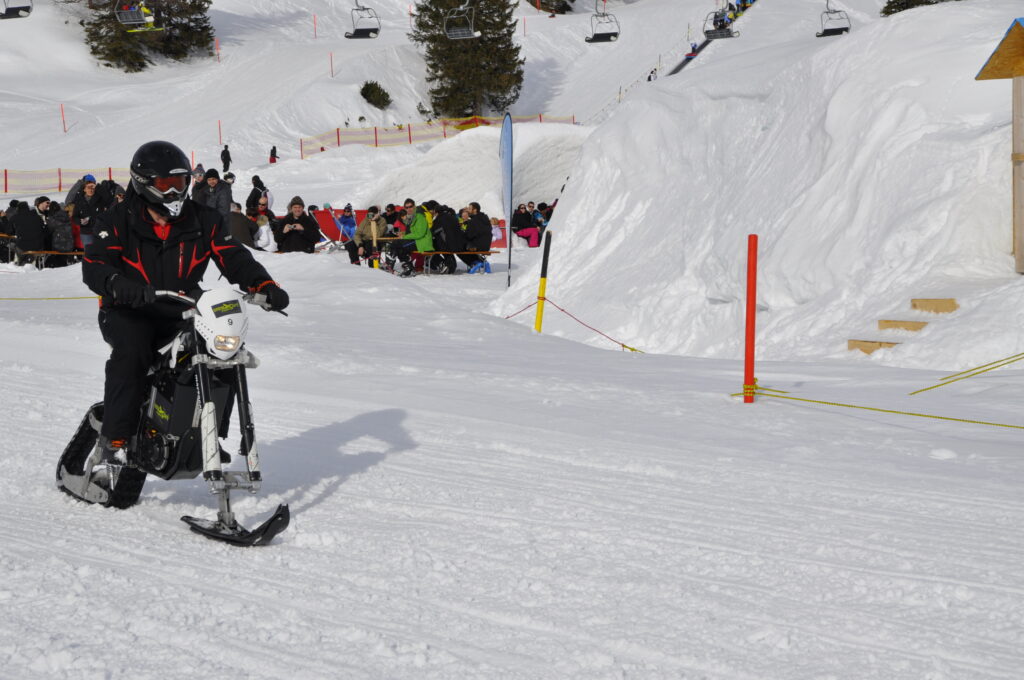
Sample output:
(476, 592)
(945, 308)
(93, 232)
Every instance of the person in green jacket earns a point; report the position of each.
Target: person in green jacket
(418, 237)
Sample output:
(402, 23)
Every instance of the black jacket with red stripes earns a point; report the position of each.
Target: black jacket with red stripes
(127, 242)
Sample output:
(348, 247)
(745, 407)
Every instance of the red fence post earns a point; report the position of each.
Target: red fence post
(60, 180)
(220, 138)
(314, 27)
(337, 131)
(332, 63)
(748, 359)
(375, 136)
(63, 121)
(410, 133)
(540, 117)
(6, 190)
(302, 153)
(444, 129)
(524, 25)
(110, 174)
(216, 46)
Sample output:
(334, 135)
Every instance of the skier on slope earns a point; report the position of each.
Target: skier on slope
(154, 239)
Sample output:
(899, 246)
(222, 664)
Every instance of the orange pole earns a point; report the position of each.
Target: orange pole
(748, 360)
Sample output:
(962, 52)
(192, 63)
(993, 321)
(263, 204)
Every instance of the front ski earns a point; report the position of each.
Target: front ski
(236, 535)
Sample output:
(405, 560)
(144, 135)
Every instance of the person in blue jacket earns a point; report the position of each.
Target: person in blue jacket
(347, 226)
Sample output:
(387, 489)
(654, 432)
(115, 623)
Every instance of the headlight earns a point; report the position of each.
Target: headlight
(225, 343)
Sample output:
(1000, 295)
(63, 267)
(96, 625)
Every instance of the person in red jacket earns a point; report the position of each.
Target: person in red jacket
(155, 240)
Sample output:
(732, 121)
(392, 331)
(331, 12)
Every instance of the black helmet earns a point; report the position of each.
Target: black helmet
(160, 175)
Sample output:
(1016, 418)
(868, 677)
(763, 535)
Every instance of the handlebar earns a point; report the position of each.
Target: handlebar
(258, 299)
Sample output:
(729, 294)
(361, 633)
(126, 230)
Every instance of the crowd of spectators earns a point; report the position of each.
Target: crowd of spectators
(391, 235)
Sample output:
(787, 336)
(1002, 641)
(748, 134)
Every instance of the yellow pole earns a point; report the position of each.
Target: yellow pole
(542, 288)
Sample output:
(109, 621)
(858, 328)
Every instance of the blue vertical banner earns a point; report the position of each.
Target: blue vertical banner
(505, 155)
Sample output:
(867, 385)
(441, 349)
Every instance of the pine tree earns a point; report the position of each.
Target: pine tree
(468, 76)
(894, 6)
(186, 31)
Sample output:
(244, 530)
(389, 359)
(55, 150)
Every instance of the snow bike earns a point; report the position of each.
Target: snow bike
(190, 389)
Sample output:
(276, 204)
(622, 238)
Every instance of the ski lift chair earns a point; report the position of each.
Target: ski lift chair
(136, 17)
(604, 27)
(16, 9)
(833, 22)
(458, 23)
(718, 26)
(365, 22)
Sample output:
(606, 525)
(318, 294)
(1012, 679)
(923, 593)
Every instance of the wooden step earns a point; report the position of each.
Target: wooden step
(885, 324)
(935, 305)
(869, 346)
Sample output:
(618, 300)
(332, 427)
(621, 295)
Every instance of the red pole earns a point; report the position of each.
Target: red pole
(410, 133)
(444, 130)
(220, 139)
(540, 117)
(410, 16)
(332, 64)
(538, 6)
(375, 136)
(110, 174)
(6, 190)
(60, 180)
(193, 159)
(524, 25)
(748, 360)
(302, 153)
(216, 45)
(314, 27)
(63, 121)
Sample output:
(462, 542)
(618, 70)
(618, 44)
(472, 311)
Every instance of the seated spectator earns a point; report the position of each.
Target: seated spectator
(448, 235)
(62, 236)
(214, 194)
(478, 238)
(296, 232)
(30, 226)
(86, 206)
(198, 176)
(347, 226)
(495, 229)
(523, 226)
(373, 227)
(392, 214)
(417, 237)
(241, 227)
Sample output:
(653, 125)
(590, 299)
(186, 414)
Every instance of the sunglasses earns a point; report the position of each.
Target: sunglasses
(262, 205)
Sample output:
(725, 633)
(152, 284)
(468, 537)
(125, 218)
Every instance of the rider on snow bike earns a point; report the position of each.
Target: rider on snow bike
(155, 239)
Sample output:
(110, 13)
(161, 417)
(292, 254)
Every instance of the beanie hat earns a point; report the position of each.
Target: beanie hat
(348, 206)
(212, 172)
(89, 179)
(41, 199)
(297, 200)
(14, 204)
(431, 205)
(199, 170)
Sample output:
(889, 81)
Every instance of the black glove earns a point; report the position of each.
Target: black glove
(128, 292)
(277, 299)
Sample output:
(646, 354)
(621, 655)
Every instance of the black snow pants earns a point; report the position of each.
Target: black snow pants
(134, 335)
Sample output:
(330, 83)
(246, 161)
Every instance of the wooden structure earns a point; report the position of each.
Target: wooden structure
(931, 305)
(1008, 62)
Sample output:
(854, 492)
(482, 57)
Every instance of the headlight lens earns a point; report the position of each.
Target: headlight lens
(225, 343)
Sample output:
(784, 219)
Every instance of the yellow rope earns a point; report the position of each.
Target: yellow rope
(972, 370)
(885, 410)
(24, 299)
(948, 381)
